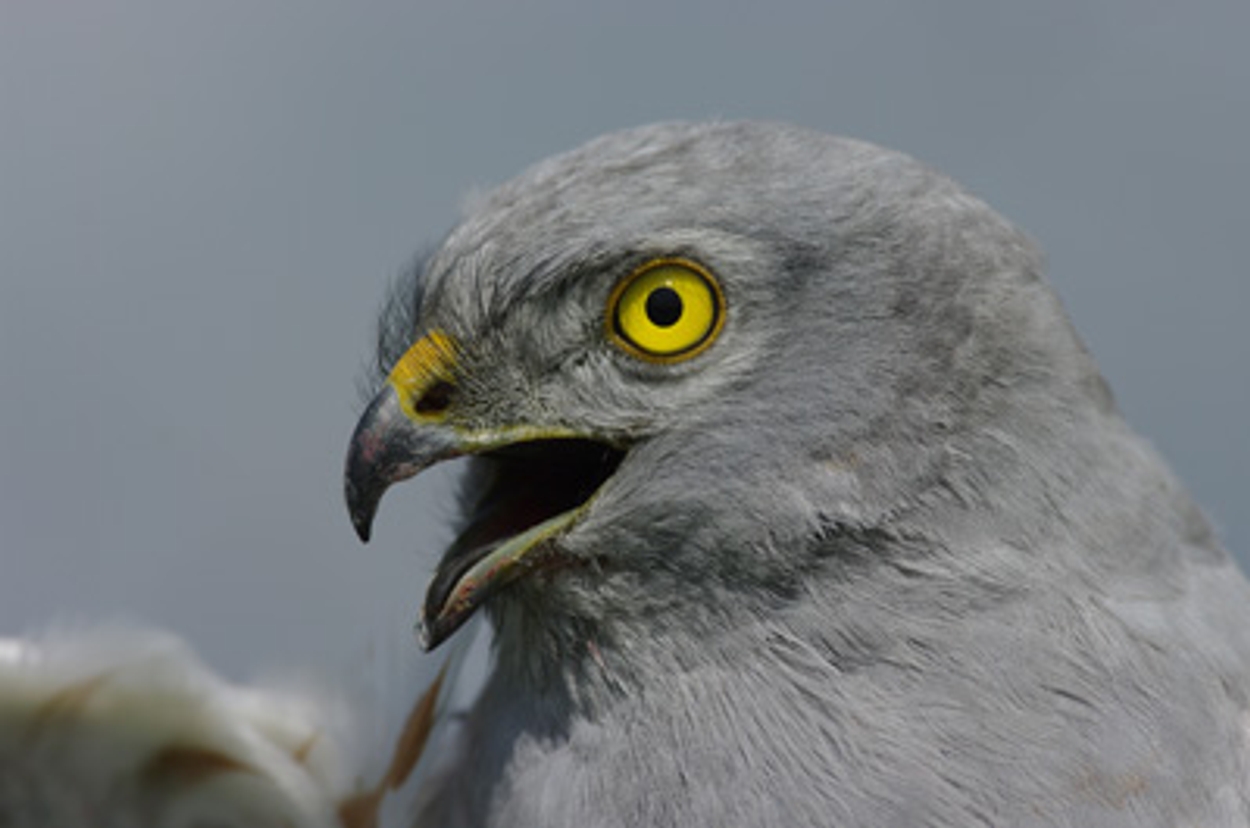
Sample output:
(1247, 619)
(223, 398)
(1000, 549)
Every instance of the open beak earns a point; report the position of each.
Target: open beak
(536, 483)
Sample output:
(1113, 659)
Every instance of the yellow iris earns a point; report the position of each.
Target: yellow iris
(667, 310)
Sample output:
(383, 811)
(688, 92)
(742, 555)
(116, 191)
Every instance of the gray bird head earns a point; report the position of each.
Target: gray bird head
(681, 358)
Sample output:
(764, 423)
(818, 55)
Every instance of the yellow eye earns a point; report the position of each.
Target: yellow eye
(667, 310)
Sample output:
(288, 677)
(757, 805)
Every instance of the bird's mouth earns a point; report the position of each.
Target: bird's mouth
(526, 486)
(521, 497)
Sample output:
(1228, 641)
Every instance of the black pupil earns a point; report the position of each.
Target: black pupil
(663, 307)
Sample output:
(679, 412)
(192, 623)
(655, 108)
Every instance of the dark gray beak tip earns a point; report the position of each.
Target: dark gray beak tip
(361, 491)
(387, 447)
(362, 522)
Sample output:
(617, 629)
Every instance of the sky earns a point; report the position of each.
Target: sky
(201, 206)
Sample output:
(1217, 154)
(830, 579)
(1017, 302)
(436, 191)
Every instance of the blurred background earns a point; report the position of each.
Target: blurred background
(201, 205)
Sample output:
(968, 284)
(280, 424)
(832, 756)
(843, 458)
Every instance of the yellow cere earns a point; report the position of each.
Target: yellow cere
(667, 310)
(430, 360)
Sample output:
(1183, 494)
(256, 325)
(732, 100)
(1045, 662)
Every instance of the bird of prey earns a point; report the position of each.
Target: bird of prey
(794, 499)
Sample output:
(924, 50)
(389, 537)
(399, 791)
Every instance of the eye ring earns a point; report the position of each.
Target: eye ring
(667, 310)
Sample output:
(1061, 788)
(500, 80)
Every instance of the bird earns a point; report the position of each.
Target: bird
(792, 497)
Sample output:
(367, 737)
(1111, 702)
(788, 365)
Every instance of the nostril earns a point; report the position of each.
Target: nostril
(436, 399)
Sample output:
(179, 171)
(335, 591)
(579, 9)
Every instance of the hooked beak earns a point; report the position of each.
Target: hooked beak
(400, 432)
(540, 481)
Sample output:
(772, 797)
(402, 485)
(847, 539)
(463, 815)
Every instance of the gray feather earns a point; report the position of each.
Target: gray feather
(885, 554)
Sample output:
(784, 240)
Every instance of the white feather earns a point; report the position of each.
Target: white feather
(126, 727)
(123, 727)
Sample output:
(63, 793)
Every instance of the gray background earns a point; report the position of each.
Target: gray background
(201, 204)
